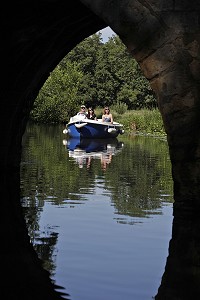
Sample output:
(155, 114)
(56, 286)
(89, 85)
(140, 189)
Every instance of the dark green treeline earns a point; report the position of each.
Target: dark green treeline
(96, 74)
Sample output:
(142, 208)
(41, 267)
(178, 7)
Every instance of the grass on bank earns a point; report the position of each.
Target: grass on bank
(142, 121)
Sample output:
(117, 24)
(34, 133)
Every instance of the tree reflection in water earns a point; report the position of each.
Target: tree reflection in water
(136, 189)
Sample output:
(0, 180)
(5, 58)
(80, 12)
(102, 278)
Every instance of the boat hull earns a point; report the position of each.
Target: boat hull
(93, 129)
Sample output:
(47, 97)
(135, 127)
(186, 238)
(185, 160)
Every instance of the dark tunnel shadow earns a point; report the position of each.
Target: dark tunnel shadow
(181, 279)
(22, 274)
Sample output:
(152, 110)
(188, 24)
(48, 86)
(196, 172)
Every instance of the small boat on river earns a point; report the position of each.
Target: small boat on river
(81, 127)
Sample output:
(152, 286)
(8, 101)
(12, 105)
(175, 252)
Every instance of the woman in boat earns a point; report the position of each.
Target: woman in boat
(107, 116)
(90, 114)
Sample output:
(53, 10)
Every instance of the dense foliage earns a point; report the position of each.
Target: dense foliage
(96, 74)
(143, 121)
(58, 97)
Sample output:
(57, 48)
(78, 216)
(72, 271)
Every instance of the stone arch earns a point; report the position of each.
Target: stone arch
(162, 35)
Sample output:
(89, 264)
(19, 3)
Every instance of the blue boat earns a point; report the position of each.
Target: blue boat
(81, 127)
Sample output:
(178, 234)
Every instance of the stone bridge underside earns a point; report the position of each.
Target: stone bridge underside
(164, 37)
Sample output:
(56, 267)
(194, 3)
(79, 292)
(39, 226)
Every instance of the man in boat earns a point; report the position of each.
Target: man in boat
(82, 112)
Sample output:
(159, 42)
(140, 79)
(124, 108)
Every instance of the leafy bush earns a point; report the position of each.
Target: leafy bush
(119, 107)
(57, 99)
(143, 121)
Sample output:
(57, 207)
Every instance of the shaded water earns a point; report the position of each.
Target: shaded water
(100, 217)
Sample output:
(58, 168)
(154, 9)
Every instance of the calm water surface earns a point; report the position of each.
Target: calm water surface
(99, 215)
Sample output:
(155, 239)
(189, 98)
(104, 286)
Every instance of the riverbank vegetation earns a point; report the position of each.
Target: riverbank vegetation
(99, 74)
(142, 121)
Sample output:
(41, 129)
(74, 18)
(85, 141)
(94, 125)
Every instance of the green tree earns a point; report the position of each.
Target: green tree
(130, 86)
(85, 55)
(57, 100)
(95, 74)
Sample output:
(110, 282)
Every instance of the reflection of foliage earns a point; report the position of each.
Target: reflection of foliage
(49, 174)
(45, 247)
(143, 178)
(43, 242)
(136, 178)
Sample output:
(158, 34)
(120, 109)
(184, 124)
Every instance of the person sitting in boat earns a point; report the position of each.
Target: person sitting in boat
(91, 114)
(82, 112)
(107, 116)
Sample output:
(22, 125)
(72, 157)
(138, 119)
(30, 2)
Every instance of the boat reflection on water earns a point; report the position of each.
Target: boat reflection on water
(85, 150)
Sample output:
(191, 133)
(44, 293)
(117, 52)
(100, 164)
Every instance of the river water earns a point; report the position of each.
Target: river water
(99, 214)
